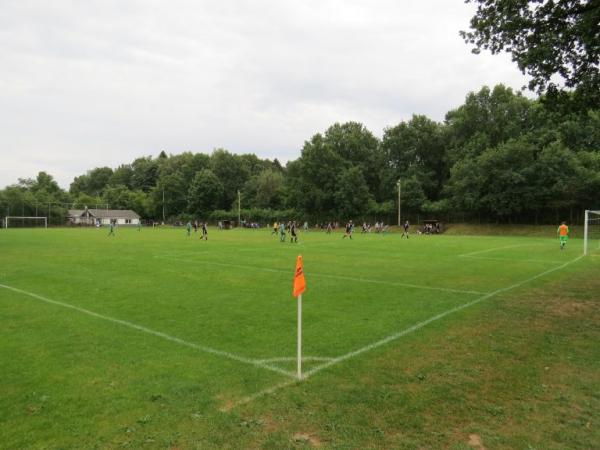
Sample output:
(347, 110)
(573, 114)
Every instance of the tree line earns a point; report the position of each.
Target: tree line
(498, 157)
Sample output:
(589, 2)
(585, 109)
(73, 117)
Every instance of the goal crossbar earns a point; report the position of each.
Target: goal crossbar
(45, 219)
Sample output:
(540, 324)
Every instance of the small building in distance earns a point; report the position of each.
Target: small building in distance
(103, 217)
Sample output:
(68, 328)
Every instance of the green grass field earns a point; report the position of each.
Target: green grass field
(152, 339)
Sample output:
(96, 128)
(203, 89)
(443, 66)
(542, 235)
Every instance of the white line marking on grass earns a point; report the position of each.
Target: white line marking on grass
(294, 358)
(239, 266)
(393, 283)
(487, 258)
(177, 340)
(323, 275)
(267, 391)
(433, 319)
(397, 335)
(494, 249)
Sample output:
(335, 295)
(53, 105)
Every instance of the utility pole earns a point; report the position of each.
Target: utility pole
(399, 184)
(239, 209)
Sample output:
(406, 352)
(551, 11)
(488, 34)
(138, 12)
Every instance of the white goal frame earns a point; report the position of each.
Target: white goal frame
(45, 219)
(586, 229)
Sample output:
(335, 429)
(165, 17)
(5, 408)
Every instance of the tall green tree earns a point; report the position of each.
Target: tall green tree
(488, 118)
(205, 193)
(311, 179)
(145, 173)
(45, 182)
(232, 173)
(557, 175)
(119, 197)
(265, 190)
(416, 150)
(545, 38)
(352, 196)
(413, 194)
(174, 189)
(93, 182)
(589, 180)
(82, 200)
(122, 175)
(358, 147)
(186, 164)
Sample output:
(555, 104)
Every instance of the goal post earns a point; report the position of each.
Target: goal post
(25, 222)
(591, 231)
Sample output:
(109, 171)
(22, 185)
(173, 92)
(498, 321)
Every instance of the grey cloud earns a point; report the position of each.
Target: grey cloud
(103, 82)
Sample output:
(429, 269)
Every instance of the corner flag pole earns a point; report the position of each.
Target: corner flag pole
(299, 356)
(299, 288)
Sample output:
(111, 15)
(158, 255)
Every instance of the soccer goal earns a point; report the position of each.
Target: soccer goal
(25, 222)
(591, 232)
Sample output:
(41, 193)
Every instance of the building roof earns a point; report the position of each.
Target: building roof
(105, 213)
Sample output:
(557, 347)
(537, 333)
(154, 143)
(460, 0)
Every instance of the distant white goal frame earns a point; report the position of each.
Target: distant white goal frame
(586, 229)
(45, 219)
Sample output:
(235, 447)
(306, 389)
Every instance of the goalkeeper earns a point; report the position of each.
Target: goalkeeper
(563, 234)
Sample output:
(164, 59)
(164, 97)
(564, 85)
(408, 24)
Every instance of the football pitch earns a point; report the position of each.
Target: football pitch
(154, 339)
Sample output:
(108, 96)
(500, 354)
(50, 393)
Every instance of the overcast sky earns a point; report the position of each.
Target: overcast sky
(85, 84)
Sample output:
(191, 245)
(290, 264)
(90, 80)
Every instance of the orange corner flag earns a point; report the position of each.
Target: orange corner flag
(299, 281)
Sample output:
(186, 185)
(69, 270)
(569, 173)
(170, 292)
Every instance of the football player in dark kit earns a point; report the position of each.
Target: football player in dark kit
(349, 230)
(406, 227)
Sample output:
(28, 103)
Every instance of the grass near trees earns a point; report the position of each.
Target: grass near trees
(509, 230)
(155, 340)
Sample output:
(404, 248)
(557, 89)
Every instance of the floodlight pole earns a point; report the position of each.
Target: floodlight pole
(163, 204)
(399, 184)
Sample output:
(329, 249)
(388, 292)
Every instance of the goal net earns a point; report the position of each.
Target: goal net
(591, 232)
(25, 222)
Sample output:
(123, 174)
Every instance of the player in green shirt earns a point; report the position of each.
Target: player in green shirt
(281, 232)
(189, 228)
(111, 229)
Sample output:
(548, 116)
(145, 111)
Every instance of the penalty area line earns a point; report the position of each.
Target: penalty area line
(433, 319)
(471, 254)
(537, 261)
(160, 334)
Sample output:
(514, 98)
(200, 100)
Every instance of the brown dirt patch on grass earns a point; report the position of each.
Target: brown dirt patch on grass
(309, 438)
(270, 425)
(476, 442)
(227, 403)
(569, 308)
